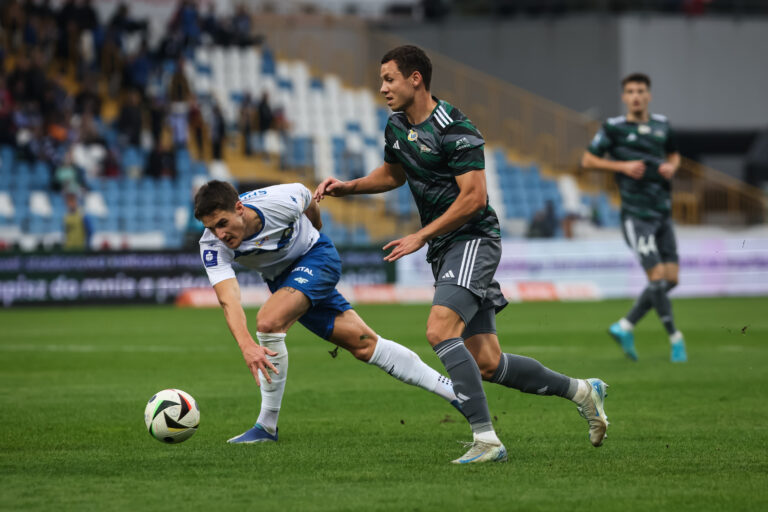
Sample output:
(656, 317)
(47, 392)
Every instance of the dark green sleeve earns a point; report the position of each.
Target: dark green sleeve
(671, 145)
(601, 142)
(389, 139)
(464, 146)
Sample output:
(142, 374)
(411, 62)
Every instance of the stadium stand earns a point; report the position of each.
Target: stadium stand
(138, 193)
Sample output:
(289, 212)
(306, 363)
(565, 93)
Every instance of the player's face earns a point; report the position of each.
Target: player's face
(229, 227)
(397, 89)
(636, 97)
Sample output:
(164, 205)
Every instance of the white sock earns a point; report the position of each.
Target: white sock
(676, 337)
(582, 392)
(406, 366)
(489, 437)
(626, 324)
(272, 393)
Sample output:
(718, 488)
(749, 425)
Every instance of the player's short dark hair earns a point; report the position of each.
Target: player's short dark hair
(641, 78)
(215, 195)
(411, 58)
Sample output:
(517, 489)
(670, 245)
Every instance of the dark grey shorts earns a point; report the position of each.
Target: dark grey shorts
(464, 283)
(652, 240)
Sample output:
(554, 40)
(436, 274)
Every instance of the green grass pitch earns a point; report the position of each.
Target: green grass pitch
(74, 383)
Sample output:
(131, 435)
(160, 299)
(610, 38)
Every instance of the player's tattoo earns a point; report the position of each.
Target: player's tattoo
(289, 289)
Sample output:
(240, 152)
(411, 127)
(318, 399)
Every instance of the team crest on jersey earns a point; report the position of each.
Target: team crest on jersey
(412, 135)
(643, 129)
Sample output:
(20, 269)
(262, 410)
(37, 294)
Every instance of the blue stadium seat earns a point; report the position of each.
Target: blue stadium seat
(268, 66)
(131, 158)
(7, 158)
(183, 162)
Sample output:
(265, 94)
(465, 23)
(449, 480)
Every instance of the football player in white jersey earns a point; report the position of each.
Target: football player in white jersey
(274, 230)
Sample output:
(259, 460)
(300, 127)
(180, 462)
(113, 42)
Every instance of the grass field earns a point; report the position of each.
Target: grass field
(74, 382)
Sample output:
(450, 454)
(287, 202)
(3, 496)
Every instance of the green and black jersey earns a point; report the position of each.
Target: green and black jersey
(432, 154)
(651, 142)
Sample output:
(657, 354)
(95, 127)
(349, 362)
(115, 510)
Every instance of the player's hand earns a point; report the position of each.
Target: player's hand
(634, 169)
(667, 170)
(256, 358)
(331, 187)
(403, 246)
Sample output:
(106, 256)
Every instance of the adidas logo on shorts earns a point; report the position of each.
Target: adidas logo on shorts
(448, 275)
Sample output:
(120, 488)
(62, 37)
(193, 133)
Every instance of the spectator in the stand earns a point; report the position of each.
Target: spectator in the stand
(13, 22)
(129, 121)
(137, 69)
(86, 15)
(157, 113)
(161, 162)
(196, 126)
(7, 130)
(36, 79)
(90, 152)
(88, 100)
(544, 222)
(179, 94)
(266, 118)
(187, 20)
(77, 225)
(67, 178)
(242, 27)
(210, 25)
(246, 122)
(17, 79)
(218, 131)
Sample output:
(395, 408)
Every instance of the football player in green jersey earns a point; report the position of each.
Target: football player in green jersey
(435, 148)
(644, 158)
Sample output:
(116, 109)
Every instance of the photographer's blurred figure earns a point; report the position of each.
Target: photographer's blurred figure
(77, 225)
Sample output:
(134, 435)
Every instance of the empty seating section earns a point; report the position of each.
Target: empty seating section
(117, 206)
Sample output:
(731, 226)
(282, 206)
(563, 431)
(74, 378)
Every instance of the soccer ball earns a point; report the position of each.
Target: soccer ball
(172, 416)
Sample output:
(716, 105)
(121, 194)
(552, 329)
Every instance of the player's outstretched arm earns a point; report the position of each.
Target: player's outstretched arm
(632, 168)
(228, 293)
(385, 177)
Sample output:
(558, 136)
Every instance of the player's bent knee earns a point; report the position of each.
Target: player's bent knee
(269, 325)
(487, 369)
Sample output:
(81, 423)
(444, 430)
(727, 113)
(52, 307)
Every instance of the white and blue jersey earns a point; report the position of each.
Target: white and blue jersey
(287, 251)
(286, 234)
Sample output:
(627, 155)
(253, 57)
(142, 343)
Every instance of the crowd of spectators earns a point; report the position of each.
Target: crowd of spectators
(60, 66)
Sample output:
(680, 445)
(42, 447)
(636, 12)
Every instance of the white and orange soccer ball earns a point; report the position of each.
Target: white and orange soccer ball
(172, 416)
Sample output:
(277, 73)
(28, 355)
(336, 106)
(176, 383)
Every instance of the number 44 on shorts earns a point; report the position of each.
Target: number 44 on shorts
(646, 245)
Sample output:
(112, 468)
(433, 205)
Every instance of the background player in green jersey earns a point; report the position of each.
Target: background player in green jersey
(644, 158)
(434, 147)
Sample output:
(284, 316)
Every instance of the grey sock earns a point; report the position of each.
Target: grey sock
(530, 376)
(644, 303)
(642, 306)
(467, 383)
(662, 305)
